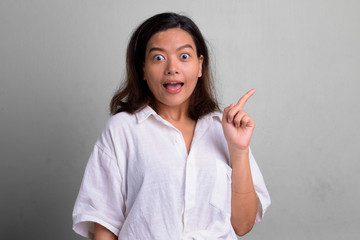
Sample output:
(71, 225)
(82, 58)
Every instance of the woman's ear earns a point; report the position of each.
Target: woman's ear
(143, 71)
(201, 60)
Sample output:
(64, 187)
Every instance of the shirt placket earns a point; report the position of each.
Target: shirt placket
(191, 170)
(189, 191)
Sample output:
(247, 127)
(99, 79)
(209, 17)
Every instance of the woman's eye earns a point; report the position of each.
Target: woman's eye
(159, 58)
(184, 56)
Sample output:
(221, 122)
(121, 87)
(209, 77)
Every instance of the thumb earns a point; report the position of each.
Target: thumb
(226, 111)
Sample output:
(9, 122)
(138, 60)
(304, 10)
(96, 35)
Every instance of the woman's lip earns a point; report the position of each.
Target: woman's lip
(172, 81)
(173, 86)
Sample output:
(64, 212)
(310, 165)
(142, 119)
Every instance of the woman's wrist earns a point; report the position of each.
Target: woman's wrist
(238, 153)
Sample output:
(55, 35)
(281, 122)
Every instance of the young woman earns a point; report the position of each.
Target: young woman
(168, 164)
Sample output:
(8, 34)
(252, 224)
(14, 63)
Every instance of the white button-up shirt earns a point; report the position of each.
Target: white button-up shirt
(140, 182)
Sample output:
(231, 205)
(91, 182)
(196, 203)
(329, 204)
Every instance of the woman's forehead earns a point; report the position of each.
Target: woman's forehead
(172, 38)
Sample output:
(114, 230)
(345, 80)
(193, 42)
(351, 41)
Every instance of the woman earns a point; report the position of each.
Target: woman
(168, 165)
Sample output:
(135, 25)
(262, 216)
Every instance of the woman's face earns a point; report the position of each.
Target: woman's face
(172, 67)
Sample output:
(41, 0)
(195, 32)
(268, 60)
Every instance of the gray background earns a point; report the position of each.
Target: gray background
(61, 61)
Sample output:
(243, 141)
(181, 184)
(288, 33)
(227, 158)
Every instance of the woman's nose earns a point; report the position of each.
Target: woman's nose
(172, 67)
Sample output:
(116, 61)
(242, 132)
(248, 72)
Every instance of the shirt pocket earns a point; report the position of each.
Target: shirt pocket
(221, 194)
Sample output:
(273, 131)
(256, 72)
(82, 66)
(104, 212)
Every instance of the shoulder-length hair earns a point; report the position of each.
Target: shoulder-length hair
(135, 93)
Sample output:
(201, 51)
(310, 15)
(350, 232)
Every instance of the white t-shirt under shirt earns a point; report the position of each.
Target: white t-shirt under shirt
(140, 183)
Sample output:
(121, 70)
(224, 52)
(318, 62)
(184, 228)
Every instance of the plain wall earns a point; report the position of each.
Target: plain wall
(61, 61)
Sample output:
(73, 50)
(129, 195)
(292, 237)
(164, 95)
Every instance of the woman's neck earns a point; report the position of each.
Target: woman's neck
(173, 113)
(179, 117)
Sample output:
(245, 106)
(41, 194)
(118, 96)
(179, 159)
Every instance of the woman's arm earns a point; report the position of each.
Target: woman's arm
(238, 127)
(243, 196)
(102, 233)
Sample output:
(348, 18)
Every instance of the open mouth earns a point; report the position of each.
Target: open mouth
(173, 86)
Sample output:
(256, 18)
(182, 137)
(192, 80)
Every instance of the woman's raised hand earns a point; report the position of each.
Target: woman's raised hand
(237, 125)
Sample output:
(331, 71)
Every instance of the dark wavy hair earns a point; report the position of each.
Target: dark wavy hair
(135, 94)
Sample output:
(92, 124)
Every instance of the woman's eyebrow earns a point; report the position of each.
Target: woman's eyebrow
(184, 46)
(178, 49)
(156, 49)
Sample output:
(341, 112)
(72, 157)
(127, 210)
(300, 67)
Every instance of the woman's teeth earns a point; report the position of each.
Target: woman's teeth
(173, 85)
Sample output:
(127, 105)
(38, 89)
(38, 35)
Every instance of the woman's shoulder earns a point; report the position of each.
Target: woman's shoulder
(128, 121)
(115, 132)
(120, 119)
(216, 115)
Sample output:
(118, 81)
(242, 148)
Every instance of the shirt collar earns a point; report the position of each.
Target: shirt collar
(147, 111)
(144, 113)
(214, 115)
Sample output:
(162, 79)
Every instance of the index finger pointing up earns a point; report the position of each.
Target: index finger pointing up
(243, 99)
